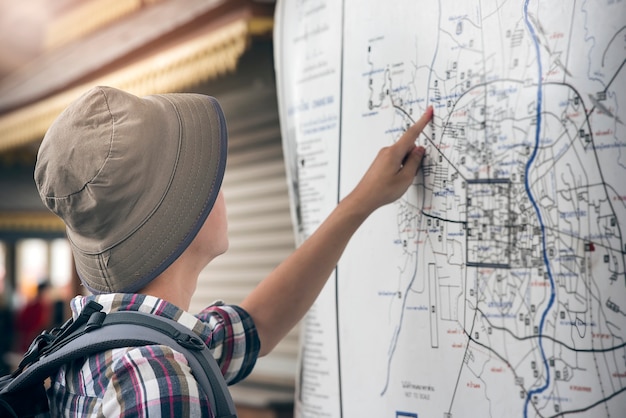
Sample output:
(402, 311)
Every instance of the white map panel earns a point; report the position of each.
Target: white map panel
(496, 286)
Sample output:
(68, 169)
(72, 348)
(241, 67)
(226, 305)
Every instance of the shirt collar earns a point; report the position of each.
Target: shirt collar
(113, 302)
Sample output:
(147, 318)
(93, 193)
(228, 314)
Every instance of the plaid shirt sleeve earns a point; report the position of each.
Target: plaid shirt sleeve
(234, 341)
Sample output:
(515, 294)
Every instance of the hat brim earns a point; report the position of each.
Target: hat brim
(132, 263)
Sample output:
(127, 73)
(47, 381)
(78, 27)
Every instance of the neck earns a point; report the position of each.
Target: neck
(176, 284)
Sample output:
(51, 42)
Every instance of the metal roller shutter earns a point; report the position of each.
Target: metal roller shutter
(255, 189)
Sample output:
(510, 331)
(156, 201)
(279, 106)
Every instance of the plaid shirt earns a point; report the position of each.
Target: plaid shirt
(153, 381)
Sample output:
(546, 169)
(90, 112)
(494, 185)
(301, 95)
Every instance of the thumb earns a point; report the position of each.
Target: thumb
(413, 162)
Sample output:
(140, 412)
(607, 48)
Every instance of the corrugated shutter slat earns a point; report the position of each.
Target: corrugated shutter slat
(260, 229)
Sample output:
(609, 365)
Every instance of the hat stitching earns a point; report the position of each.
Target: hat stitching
(54, 198)
(103, 270)
(151, 213)
(189, 236)
(154, 229)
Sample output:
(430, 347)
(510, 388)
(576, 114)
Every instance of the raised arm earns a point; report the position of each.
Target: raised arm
(284, 296)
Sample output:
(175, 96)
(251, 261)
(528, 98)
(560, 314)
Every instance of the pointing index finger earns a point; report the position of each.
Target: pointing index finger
(407, 141)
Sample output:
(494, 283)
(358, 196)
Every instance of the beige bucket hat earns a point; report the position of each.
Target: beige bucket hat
(133, 179)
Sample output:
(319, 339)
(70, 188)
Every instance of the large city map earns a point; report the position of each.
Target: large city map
(497, 285)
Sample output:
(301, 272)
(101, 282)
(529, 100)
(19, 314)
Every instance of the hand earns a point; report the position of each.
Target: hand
(393, 169)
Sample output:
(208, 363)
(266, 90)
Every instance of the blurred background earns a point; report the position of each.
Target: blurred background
(51, 52)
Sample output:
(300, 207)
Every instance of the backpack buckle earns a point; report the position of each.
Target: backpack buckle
(95, 321)
(35, 350)
(188, 341)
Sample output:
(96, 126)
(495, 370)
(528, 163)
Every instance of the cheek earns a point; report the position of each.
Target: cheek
(212, 239)
(224, 232)
(219, 225)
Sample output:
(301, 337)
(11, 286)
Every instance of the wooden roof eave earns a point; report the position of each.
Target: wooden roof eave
(197, 57)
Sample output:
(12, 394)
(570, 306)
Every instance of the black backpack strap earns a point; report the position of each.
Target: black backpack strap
(201, 360)
(132, 329)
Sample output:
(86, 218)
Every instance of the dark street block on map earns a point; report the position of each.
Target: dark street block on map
(488, 231)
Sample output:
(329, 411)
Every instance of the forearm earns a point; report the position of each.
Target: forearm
(283, 297)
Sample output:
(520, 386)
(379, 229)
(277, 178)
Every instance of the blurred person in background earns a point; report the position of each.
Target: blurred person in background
(33, 318)
(7, 330)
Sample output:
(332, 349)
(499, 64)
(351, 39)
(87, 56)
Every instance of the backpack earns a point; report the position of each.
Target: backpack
(23, 393)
